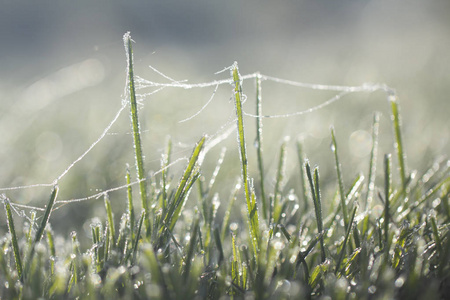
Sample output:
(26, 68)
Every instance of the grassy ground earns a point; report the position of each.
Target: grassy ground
(381, 237)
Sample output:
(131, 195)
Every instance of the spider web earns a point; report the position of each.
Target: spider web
(148, 89)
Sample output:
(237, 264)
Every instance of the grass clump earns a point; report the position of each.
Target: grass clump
(307, 245)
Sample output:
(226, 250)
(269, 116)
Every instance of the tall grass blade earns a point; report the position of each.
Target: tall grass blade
(387, 195)
(252, 213)
(398, 139)
(190, 253)
(51, 247)
(12, 231)
(112, 231)
(373, 161)
(315, 192)
(347, 234)
(303, 184)
(259, 146)
(339, 176)
(278, 184)
(226, 217)
(165, 171)
(136, 130)
(130, 202)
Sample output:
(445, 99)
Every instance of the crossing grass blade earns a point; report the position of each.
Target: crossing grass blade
(12, 232)
(347, 234)
(252, 211)
(136, 132)
(186, 182)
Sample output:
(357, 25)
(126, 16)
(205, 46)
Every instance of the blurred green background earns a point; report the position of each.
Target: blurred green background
(63, 69)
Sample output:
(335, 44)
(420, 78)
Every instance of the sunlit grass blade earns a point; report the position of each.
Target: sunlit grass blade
(190, 252)
(226, 217)
(276, 206)
(259, 146)
(347, 234)
(387, 196)
(252, 213)
(315, 192)
(136, 130)
(51, 247)
(398, 139)
(303, 184)
(130, 201)
(339, 176)
(112, 231)
(373, 161)
(184, 186)
(165, 170)
(12, 232)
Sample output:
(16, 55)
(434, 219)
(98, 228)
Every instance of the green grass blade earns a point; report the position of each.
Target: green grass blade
(387, 195)
(278, 184)
(130, 202)
(112, 231)
(398, 139)
(339, 176)
(373, 161)
(226, 217)
(259, 146)
(137, 236)
(303, 184)
(184, 186)
(243, 154)
(12, 231)
(165, 171)
(136, 131)
(51, 247)
(315, 192)
(347, 234)
(190, 253)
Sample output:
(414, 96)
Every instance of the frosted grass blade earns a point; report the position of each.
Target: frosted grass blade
(339, 176)
(12, 231)
(112, 231)
(278, 184)
(301, 159)
(259, 146)
(130, 202)
(373, 161)
(136, 131)
(252, 214)
(387, 196)
(315, 192)
(397, 123)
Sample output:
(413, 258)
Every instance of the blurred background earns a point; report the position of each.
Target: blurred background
(63, 72)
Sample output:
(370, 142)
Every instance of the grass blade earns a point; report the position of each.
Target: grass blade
(347, 234)
(12, 231)
(130, 202)
(340, 180)
(112, 231)
(315, 192)
(184, 186)
(259, 146)
(136, 131)
(301, 159)
(252, 213)
(373, 161)
(276, 207)
(398, 139)
(387, 194)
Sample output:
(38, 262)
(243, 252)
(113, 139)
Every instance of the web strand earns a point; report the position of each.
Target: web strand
(213, 140)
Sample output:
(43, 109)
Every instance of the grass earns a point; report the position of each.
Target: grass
(305, 244)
